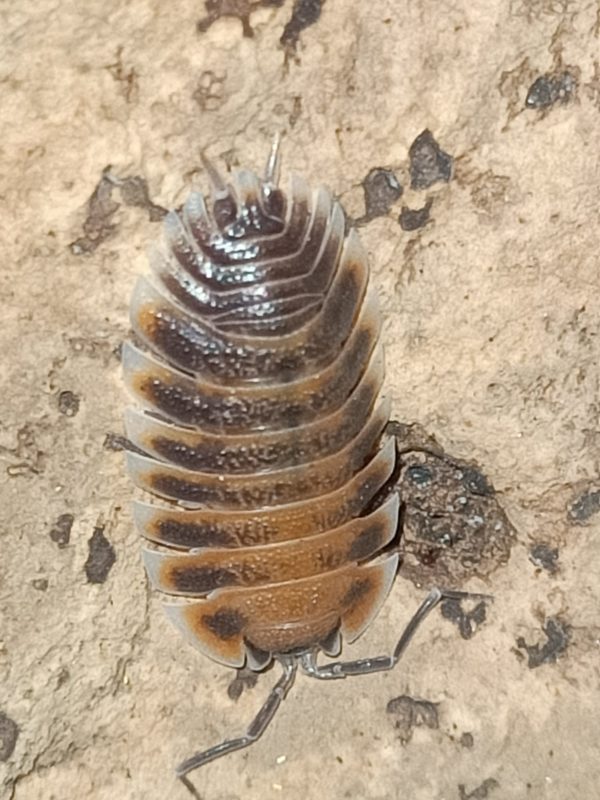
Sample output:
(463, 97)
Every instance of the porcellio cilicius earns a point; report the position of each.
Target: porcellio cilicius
(256, 366)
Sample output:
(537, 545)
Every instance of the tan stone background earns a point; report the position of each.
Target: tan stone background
(491, 327)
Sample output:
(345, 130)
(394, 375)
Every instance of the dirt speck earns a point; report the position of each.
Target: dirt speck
(381, 190)
(101, 209)
(411, 219)
(547, 90)
(60, 533)
(68, 403)
(209, 91)
(558, 635)
(126, 77)
(466, 740)
(40, 584)
(429, 164)
(134, 192)
(98, 225)
(584, 507)
(544, 556)
(410, 713)
(467, 622)
(101, 557)
(480, 793)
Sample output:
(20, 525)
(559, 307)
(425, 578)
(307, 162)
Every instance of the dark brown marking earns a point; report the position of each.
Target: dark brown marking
(227, 623)
(366, 543)
(189, 534)
(201, 580)
(358, 589)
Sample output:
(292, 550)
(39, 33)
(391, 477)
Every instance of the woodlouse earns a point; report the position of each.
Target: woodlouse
(257, 368)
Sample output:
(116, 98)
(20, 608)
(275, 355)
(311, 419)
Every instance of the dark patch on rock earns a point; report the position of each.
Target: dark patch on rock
(134, 192)
(410, 713)
(126, 78)
(480, 793)
(101, 208)
(466, 740)
(429, 164)
(304, 14)
(411, 219)
(544, 556)
(9, 733)
(467, 622)
(240, 9)
(585, 507)
(381, 190)
(98, 225)
(100, 558)
(25, 457)
(68, 403)
(245, 678)
(547, 90)
(62, 677)
(226, 623)
(558, 635)
(453, 526)
(41, 584)
(60, 533)
(209, 92)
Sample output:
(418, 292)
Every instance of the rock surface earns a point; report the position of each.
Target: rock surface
(491, 325)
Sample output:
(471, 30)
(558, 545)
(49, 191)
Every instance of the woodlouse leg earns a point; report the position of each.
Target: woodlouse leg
(363, 666)
(274, 162)
(255, 730)
(216, 179)
(245, 679)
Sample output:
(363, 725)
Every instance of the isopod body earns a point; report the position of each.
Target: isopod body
(257, 367)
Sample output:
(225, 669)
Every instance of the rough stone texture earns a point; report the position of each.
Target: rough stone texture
(491, 325)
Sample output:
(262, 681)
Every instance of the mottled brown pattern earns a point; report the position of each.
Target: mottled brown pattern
(200, 573)
(285, 616)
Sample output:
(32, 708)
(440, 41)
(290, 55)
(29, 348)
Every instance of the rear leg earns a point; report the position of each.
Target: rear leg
(363, 666)
(255, 730)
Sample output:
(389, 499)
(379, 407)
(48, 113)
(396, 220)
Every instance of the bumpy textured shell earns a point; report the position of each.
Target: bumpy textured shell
(257, 371)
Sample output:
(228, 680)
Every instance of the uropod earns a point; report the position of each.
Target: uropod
(256, 367)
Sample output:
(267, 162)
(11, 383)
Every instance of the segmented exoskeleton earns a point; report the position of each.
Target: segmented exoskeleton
(257, 368)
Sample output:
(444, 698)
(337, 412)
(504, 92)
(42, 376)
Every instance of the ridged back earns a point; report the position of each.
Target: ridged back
(257, 369)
